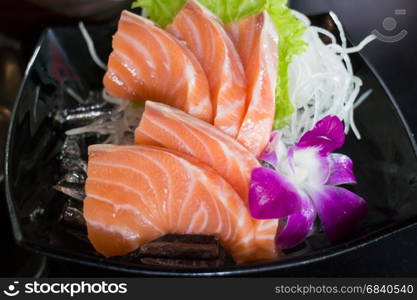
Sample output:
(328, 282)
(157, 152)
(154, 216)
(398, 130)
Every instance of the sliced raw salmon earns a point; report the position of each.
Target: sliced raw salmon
(256, 40)
(172, 128)
(135, 194)
(205, 35)
(149, 63)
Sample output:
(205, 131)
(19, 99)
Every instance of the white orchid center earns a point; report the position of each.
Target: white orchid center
(303, 168)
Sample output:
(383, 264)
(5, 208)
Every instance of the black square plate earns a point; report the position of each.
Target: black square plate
(385, 161)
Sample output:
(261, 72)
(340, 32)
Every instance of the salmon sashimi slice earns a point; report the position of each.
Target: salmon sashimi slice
(149, 63)
(172, 128)
(256, 40)
(205, 35)
(135, 194)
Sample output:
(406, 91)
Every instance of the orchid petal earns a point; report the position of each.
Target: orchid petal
(290, 157)
(327, 135)
(339, 210)
(341, 170)
(271, 195)
(269, 155)
(324, 168)
(275, 135)
(298, 226)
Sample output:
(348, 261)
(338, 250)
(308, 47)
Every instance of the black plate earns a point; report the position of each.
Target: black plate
(385, 161)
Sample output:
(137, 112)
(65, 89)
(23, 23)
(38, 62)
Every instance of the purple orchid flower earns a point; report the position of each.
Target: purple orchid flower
(304, 185)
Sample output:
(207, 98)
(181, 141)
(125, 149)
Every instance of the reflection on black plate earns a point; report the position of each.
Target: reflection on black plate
(385, 162)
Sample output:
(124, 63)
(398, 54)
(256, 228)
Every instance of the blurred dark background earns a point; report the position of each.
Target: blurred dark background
(21, 23)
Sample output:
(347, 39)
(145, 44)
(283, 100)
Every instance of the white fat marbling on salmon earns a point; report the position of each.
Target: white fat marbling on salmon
(116, 79)
(229, 158)
(125, 187)
(184, 202)
(126, 207)
(190, 75)
(129, 235)
(160, 68)
(141, 48)
(237, 155)
(230, 111)
(168, 182)
(128, 64)
(256, 40)
(128, 169)
(207, 39)
(199, 107)
(265, 225)
(184, 147)
(205, 198)
(197, 215)
(195, 35)
(179, 85)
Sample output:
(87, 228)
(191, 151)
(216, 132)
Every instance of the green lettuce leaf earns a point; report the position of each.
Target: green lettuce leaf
(290, 31)
(164, 11)
(234, 10)
(289, 28)
(161, 12)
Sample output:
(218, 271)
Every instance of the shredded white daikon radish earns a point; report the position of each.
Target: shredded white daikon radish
(362, 98)
(91, 47)
(120, 126)
(321, 81)
(75, 96)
